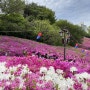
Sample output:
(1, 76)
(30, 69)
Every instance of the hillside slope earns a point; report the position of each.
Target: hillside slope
(13, 46)
(86, 43)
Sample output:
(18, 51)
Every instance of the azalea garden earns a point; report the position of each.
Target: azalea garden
(32, 52)
(28, 71)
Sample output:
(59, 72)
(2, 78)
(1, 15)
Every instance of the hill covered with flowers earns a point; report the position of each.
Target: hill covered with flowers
(30, 65)
(86, 43)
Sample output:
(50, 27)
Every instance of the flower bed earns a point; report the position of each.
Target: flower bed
(32, 73)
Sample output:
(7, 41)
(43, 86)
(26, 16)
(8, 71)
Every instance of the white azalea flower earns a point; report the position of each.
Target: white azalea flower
(7, 76)
(24, 71)
(1, 77)
(61, 77)
(57, 79)
(4, 76)
(12, 77)
(47, 78)
(85, 75)
(58, 71)
(2, 63)
(43, 70)
(51, 71)
(84, 86)
(12, 68)
(54, 77)
(25, 66)
(62, 85)
(72, 69)
(82, 76)
(51, 68)
(2, 67)
(21, 82)
(70, 82)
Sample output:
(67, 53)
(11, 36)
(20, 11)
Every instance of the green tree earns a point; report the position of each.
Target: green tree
(77, 33)
(33, 11)
(12, 6)
(88, 33)
(89, 29)
(50, 33)
(12, 23)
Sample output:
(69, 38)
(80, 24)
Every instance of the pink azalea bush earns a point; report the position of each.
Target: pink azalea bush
(19, 72)
(86, 43)
(32, 73)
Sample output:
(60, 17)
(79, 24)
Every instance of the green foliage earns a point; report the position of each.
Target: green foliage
(36, 19)
(77, 33)
(88, 34)
(14, 18)
(33, 12)
(12, 6)
(50, 33)
(89, 29)
(13, 22)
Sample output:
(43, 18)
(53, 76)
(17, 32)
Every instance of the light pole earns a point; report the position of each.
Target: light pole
(65, 34)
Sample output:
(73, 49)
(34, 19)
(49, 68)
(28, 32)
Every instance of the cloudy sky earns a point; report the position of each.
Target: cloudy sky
(75, 11)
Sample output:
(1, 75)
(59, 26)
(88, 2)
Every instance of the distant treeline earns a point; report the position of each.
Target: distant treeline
(27, 20)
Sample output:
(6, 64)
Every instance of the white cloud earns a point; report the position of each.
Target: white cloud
(75, 11)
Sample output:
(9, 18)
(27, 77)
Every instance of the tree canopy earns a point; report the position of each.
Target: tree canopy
(33, 11)
(77, 33)
(36, 19)
(12, 6)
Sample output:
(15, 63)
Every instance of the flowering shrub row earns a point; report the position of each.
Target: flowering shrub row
(12, 46)
(32, 73)
(36, 73)
(86, 43)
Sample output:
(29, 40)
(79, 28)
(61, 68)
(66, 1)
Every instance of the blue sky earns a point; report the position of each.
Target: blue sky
(75, 11)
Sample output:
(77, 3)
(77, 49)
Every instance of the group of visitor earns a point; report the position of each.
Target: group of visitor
(46, 56)
(40, 55)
